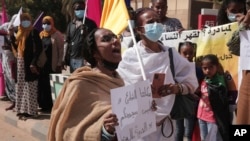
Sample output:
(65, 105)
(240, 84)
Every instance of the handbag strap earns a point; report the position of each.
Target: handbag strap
(172, 128)
(171, 60)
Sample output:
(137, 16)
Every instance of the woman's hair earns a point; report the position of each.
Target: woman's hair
(25, 16)
(154, 1)
(90, 47)
(222, 14)
(139, 12)
(213, 59)
(187, 43)
(131, 12)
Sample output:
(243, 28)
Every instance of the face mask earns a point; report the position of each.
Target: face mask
(46, 27)
(109, 65)
(153, 31)
(25, 23)
(231, 17)
(79, 13)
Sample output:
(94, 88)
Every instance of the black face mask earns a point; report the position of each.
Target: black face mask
(109, 65)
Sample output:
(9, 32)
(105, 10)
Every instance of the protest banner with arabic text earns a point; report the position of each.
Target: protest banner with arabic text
(211, 40)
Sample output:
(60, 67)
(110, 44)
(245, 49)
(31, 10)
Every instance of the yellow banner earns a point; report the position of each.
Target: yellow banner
(211, 40)
(114, 16)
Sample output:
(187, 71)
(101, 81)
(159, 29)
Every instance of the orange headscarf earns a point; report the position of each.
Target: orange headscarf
(45, 33)
(23, 33)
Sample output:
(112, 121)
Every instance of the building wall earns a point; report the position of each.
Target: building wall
(186, 11)
(179, 9)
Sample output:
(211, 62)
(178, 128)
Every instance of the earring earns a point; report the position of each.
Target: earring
(100, 63)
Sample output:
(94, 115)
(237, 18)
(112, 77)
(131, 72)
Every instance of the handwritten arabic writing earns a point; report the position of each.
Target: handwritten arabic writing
(145, 92)
(132, 105)
(127, 115)
(130, 96)
(137, 132)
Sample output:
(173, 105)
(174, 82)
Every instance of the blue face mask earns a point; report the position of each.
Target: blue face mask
(231, 17)
(153, 31)
(46, 27)
(79, 13)
(25, 23)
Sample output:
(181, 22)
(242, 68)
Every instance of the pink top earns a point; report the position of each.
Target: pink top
(205, 111)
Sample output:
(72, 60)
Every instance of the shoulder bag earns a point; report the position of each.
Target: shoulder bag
(42, 57)
(184, 105)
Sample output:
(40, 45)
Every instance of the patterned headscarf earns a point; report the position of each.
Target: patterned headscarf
(45, 33)
(23, 33)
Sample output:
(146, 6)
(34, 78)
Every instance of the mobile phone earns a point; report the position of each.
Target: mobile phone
(158, 81)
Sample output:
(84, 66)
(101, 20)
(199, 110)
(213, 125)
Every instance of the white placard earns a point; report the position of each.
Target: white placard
(245, 50)
(132, 105)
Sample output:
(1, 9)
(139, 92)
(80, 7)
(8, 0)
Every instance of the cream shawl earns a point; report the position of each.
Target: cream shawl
(84, 100)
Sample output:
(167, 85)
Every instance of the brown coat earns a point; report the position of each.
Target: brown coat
(83, 102)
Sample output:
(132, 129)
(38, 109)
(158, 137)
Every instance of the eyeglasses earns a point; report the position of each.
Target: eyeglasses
(109, 38)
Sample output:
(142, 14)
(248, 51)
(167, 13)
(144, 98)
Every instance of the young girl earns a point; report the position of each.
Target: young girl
(213, 106)
(187, 50)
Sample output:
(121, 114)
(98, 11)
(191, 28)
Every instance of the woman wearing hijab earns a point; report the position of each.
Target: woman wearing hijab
(52, 41)
(27, 45)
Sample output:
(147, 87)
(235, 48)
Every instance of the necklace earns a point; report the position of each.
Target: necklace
(112, 74)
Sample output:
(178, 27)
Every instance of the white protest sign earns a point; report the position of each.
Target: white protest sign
(245, 50)
(132, 105)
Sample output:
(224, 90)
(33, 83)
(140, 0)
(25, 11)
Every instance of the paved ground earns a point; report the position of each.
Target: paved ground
(10, 133)
(36, 128)
(29, 130)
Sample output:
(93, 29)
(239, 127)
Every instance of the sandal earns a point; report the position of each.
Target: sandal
(11, 107)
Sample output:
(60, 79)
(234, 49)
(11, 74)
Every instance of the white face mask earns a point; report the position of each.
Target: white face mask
(153, 31)
(25, 23)
(231, 17)
(46, 27)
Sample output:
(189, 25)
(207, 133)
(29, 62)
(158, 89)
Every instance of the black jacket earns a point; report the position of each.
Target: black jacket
(75, 38)
(219, 103)
(33, 48)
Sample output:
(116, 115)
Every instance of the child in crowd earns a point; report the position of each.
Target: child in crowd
(187, 50)
(213, 106)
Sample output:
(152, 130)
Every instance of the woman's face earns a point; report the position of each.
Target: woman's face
(160, 7)
(108, 45)
(235, 8)
(147, 18)
(187, 52)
